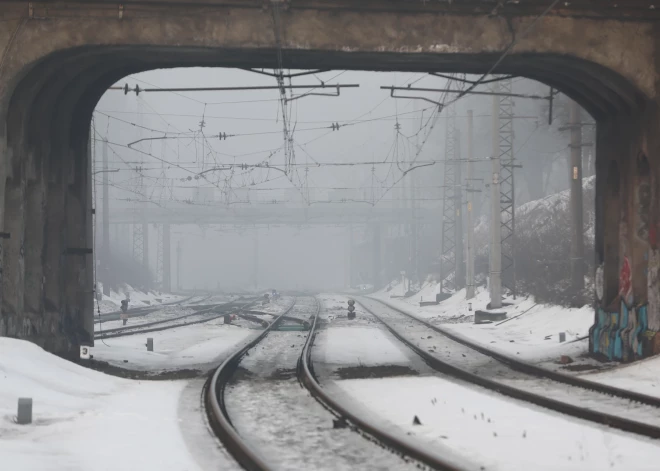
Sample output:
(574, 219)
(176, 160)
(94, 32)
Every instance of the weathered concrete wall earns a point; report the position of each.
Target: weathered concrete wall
(56, 63)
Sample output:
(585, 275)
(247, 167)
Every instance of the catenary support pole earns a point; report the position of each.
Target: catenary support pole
(458, 195)
(577, 229)
(167, 253)
(145, 241)
(179, 249)
(105, 256)
(495, 279)
(469, 267)
(376, 255)
(256, 258)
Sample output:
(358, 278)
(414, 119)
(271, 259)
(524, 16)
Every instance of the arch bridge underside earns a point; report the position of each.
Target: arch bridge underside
(58, 58)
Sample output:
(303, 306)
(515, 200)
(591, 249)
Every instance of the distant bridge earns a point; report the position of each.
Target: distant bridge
(271, 214)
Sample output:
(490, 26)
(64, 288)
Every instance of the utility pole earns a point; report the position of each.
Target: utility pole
(507, 186)
(495, 278)
(413, 275)
(577, 229)
(105, 257)
(179, 249)
(459, 271)
(167, 265)
(469, 267)
(448, 249)
(256, 258)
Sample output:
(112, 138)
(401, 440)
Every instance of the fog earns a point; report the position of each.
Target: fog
(167, 174)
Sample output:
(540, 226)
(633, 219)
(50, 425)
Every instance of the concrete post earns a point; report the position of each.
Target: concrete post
(24, 413)
(495, 281)
(577, 229)
(167, 252)
(105, 255)
(469, 263)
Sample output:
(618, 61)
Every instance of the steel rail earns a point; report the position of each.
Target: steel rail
(197, 309)
(591, 415)
(141, 311)
(216, 409)
(140, 329)
(531, 369)
(308, 380)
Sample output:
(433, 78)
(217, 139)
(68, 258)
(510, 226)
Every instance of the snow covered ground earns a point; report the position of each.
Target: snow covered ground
(199, 346)
(497, 432)
(492, 430)
(138, 299)
(83, 419)
(533, 336)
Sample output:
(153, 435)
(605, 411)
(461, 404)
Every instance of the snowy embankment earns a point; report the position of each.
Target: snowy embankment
(83, 419)
(532, 334)
(492, 431)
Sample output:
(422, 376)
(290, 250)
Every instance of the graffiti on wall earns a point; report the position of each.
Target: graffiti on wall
(625, 281)
(623, 335)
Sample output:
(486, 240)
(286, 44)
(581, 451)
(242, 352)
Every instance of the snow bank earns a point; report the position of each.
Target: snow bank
(534, 335)
(83, 419)
(496, 432)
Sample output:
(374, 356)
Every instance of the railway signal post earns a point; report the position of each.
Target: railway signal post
(351, 309)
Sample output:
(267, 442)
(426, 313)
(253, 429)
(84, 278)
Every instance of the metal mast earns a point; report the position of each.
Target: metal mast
(448, 251)
(138, 224)
(507, 186)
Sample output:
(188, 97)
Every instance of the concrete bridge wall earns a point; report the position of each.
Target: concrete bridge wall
(57, 58)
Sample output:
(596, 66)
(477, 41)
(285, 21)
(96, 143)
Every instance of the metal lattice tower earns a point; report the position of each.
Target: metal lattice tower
(448, 251)
(138, 226)
(507, 186)
(159, 227)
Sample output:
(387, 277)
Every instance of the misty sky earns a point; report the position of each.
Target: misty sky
(288, 257)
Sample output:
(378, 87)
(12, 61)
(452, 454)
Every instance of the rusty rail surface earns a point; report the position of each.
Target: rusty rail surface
(591, 415)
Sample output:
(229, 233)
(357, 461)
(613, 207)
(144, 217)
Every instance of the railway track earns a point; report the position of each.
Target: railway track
(205, 315)
(143, 311)
(461, 358)
(287, 428)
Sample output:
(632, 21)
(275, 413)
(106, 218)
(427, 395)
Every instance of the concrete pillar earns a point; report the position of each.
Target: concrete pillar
(577, 229)
(105, 254)
(13, 285)
(167, 252)
(145, 242)
(88, 288)
(376, 255)
(4, 322)
(35, 210)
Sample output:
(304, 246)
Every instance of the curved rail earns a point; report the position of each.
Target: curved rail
(307, 378)
(591, 415)
(217, 412)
